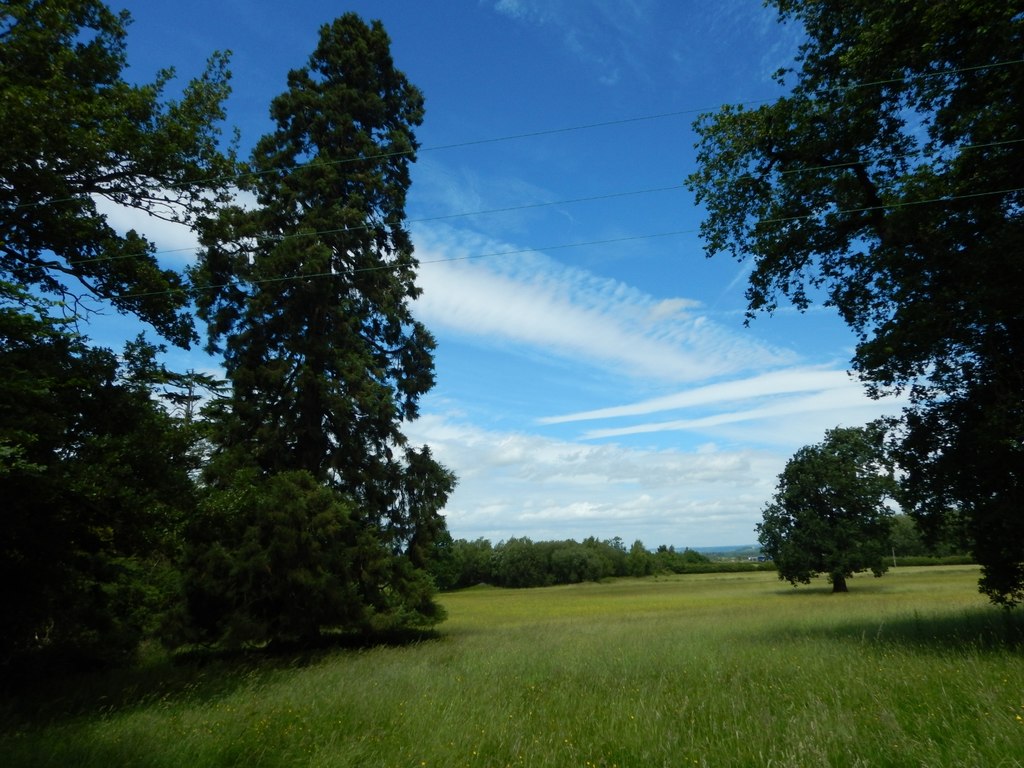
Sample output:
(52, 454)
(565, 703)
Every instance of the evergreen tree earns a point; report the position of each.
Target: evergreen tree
(307, 297)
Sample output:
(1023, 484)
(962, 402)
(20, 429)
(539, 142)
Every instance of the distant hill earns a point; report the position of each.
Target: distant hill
(739, 552)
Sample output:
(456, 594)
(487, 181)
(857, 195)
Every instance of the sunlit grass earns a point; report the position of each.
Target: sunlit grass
(711, 670)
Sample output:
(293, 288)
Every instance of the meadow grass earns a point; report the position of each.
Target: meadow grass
(913, 669)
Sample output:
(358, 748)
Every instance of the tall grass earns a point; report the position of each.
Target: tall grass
(701, 670)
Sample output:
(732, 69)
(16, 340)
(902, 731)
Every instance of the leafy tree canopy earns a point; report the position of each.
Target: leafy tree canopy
(95, 481)
(76, 133)
(890, 183)
(93, 473)
(828, 514)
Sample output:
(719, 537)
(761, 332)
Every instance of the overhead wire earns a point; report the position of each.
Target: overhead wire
(569, 201)
(522, 207)
(420, 220)
(563, 246)
(565, 129)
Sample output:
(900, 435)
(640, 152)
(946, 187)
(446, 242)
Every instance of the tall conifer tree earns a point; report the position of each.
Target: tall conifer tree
(307, 297)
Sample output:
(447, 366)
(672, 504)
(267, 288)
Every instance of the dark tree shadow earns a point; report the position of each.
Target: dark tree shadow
(51, 690)
(985, 629)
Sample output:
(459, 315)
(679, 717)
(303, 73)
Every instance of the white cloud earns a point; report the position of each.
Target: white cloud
(838, 404)
(176, 242)
(669, 308)
(790, 381)
(603, 34)
(516, 484)
(788, 407)
(529, 299)
(517, 9)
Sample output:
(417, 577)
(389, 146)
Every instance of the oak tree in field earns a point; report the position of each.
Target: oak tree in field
(307, 296)
(889, 183)
(829, 513)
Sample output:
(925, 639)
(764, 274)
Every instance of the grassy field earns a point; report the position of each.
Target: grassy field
(913, 669)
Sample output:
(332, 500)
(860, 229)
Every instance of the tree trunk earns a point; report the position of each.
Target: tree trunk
(839, 583)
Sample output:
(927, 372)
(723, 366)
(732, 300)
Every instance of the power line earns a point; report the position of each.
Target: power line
(528, 206)
(531, 206)
(434, 148)
(916, 153)
(610, 123)
(483, 212)
(887, 206)
(383, 267)
(561, 130)
(612, 195)
(566, 246)
(422, 220)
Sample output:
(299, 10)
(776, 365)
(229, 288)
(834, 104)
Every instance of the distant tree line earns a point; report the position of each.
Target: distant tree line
(522, 562)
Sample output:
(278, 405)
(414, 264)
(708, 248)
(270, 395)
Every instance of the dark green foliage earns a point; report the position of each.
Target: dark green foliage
(935, 560)
(640, 561)
(908, 540)
(94, 477)
(888, 184)
(905, 537)
(729, 566)
(74, 129)
(666, 559)
(474, 563)
(282, 556)
(525, 563)
(828, 514)
(93, 473)
(521, 562)
(457, 563)
(307, 296)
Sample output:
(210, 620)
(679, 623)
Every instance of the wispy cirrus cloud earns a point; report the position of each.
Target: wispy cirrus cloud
(844, 405)
(530, 299)
(782, 382)
(772, 407)
(603, 34)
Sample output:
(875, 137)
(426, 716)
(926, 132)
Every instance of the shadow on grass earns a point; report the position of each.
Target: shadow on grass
(986, 629)
(50, 691)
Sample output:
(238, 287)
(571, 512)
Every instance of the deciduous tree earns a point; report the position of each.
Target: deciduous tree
(829, 512)
(94, 477)
(77, 133)
(93, 474)
(889, 183)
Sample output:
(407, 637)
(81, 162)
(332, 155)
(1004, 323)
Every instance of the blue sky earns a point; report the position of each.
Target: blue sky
(594, 375)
